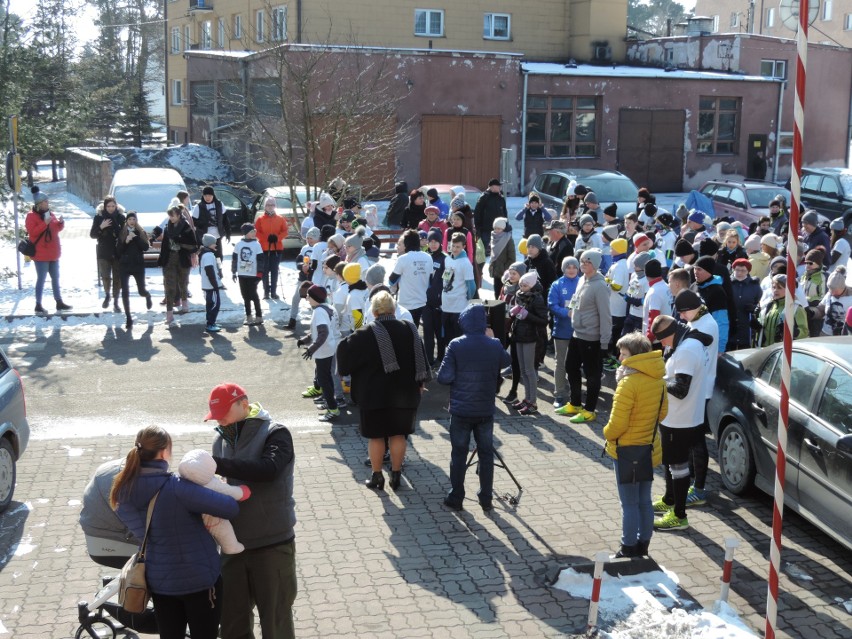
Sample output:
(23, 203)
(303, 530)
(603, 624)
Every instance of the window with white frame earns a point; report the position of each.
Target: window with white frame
(497, 26)
(770, 17)
(826, 10)
(716, 24)
(735, 19)
(847, 22)
(186, 38)
(221, 30)
(279, 24)
(429, 22)
(206, 35)
(238, 26)
(175, 39)
(259, 25)
(177, 92)
(774, 69)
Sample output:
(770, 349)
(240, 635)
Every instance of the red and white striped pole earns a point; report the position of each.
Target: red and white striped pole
(730, 544)
(600, 558)
(789, 320)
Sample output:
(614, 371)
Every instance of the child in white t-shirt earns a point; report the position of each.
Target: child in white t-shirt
(246, 269)
(322, 343)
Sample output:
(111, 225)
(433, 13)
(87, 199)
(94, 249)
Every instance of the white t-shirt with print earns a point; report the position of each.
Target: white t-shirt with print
(414, 269)
(618, 276)
(707, 325)
(637, 288)
(246, 253)
(457, 272)
(324, 315)
(658, 298)
(689, 358)
(208, 258)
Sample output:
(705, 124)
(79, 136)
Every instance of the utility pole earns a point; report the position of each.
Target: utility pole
(13, 167)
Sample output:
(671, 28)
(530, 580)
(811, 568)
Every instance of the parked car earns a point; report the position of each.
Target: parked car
(14, 428)
(236, 200)
(743, 416)
(471, 193)
(746, 201)
(286, 207)
(609, 186)
(148, 192)
(829, 191)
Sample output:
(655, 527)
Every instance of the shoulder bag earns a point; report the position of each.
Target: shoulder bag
(133, 594)
(28, 248)
(634, 464)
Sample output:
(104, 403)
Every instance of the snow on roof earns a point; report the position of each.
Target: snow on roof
(346, 47)
(624, 71)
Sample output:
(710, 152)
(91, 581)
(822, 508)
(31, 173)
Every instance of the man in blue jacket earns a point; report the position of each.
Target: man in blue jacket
(471, 368)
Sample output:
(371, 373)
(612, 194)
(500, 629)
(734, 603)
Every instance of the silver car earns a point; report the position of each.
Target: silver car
(14, 429)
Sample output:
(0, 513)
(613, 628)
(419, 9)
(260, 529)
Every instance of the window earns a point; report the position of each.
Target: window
(835, 408)
(221, 30)
(735, 20)
(770, 18)
(562, 126)
(770, 373)
(805, 371)
(826, 10)
(186, 38)
(774, 69)
(265, 97)
(847, 22)
(716, 24)
(718, 124)
(497, 26)
(238, 26)
(279, 24)
(429, 22)
(177, 92)
(176, 40)
(202, 98)
(206, 35)
(259, 19)
(229, 101)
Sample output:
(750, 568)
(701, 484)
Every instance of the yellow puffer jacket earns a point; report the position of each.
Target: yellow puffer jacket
(636, 405)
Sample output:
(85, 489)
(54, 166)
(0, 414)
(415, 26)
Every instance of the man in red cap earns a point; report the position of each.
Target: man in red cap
(254, 450)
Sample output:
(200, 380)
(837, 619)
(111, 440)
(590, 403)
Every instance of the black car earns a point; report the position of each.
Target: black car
(828, 191)
(743, 416)
(236, 200)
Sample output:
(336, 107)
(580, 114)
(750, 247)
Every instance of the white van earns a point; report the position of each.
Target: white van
(148, 192)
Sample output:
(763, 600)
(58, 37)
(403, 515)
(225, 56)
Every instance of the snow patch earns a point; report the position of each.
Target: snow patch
(74, 452)
(74, 502)
(24, 547)
(648, 622)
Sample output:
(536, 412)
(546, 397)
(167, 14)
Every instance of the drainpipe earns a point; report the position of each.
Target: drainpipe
(782, 84)
(524, 135)
(299, 21)
(849, 133)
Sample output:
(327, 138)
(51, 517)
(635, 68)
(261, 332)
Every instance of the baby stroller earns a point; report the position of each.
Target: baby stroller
(104, 617)
(109, 543)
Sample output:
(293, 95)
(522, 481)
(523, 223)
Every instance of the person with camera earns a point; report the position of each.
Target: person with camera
(106, 227)
(43, 229)
(471, 368)
(271, 231)
(130, 248)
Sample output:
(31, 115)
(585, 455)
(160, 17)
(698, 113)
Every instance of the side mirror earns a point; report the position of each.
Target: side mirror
(844, 446)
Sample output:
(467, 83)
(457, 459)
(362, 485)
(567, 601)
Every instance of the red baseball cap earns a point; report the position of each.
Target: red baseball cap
(222, 397)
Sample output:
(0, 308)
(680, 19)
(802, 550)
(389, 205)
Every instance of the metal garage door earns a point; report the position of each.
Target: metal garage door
(459, 149)
(650, 148)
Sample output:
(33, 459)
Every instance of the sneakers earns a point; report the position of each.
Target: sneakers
(330, 415)
(568, 409)
(558, 401)
(341, 401)
(528, 408)
(511, 398)
(583, 416)
(670, 521)
(257, 321)
(696, 497)
(518, 404)
(660, 507)
(213, 328)
(311, 392)
(248, 321)
(291, 325)
(610, 364)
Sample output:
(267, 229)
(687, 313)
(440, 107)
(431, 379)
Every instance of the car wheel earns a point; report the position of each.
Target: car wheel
(7, 473)
(736, 461)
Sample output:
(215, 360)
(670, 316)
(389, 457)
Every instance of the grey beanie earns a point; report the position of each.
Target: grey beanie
(586, 219)
(375, 275)
(208, 240)
(38, 195)
(591, 198)
(592, 255)
(570, 261)
(837, 279)
(520, 267)
(536, 241)
(641, 260)
(313, 234)
(356, 239)
(610, 232)
(811, 218)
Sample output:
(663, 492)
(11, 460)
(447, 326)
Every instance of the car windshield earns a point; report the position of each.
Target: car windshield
(471, 197)
(612, 189)
(146, 198)
(760, 198)
(846, 183)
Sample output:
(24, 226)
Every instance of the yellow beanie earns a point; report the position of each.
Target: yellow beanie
(618, 246)
(522, 246)
(352, 273)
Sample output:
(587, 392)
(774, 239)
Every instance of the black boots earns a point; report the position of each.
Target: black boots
(640, 549)
(377, 481)
(396, 479)
(62, 306)
(106, 302)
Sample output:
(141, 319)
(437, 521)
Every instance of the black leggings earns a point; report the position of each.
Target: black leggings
(139, 276)
(248, 289)
(584, 358)
(201, 610)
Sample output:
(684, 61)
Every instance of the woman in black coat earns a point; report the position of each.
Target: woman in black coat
(528, 325)
(387, 362)
(178, 245)
(130, 248)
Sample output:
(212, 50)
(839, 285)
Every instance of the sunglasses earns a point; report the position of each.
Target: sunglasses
(807, 262)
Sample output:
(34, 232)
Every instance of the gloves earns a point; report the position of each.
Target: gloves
(307, 354)
(234, 276)
(246, 493)
(301, 341)
(272, 239)
(522, 314)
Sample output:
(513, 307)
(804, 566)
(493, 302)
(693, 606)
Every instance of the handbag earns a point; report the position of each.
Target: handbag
(28, 248)
(133, 594)
(634, 464)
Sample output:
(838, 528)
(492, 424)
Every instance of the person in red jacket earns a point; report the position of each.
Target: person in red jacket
(271, 232)
(43, 228)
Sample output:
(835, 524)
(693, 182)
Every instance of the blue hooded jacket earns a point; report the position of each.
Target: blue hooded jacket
(716, 300)
(472, 365)
(561, 291)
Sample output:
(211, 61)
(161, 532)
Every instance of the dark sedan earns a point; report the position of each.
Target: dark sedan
(743, 416)
(236, 201)
(14, 428)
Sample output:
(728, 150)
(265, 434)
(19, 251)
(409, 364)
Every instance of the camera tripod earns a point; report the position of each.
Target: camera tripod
(514, 500)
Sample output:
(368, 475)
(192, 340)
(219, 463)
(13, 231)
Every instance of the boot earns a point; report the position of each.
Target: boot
(396, 479)
(377, 481)
(626, 552)
(106, 302)
(642, 548)
(148, 301)
(116, 308)
(129, 323)
(62, 306)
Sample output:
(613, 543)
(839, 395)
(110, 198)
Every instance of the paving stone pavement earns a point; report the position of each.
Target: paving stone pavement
(401, 565)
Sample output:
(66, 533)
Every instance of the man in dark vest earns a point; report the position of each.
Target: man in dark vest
(210, 218)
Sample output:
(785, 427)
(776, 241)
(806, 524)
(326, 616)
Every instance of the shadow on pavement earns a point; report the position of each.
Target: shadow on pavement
(11, 530)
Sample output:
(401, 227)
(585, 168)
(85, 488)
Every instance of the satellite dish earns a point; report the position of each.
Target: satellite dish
(789, 12)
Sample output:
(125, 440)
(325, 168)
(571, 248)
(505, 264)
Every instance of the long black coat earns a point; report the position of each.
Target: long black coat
(183, 235)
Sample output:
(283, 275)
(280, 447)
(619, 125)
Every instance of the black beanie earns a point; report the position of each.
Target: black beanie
(687, 300)
(707, 263)
(611, 210)
(653, 269)
(326, 232)
(683, 248)
(708, 247)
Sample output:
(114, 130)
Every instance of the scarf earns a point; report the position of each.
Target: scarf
(422, 372)
(499, 242)
(623, 371)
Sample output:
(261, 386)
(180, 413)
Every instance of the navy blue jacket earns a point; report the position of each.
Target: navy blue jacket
(472, 365)
(181, 556)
